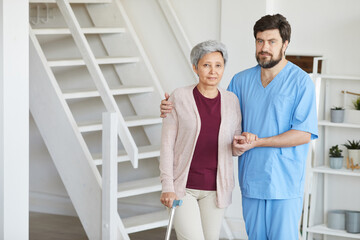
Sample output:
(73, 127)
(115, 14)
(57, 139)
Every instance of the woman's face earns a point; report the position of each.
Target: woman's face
(210, 69)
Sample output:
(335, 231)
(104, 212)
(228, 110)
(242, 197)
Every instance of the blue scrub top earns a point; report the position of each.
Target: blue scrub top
(287, 102)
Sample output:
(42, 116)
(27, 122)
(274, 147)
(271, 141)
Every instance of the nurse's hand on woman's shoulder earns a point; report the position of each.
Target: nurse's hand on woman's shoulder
(167, 198)
(165, 106)
(243, 143)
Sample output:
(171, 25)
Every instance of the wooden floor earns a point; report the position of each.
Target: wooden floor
(57, 227)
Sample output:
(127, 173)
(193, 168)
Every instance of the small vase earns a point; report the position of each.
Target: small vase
(336, 162)
(354, 154)
(336, 219)
(337, 116)
(352, 221)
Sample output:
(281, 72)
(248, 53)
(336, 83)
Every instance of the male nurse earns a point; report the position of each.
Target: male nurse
(277, 101)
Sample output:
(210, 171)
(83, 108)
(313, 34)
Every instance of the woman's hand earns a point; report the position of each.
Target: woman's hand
(243, 143)
(167, 198)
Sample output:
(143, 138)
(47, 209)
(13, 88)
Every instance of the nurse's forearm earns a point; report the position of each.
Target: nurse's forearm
(290, 138)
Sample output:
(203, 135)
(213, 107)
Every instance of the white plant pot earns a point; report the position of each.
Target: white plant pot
(352, 116)
(355, 155)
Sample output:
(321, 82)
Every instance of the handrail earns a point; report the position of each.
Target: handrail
(99, 79)
(178, 30)
(145, 58)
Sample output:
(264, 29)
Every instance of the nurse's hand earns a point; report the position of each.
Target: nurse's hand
(241, 144)
(249, 137)
(167, 198)
(165, 106)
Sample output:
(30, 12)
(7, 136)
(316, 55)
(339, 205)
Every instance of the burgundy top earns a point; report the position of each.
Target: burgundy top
(203, 168)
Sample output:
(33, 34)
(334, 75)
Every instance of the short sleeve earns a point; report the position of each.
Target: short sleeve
(305, 114)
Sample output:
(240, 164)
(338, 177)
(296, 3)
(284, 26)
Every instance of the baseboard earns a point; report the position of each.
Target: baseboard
(51, 203)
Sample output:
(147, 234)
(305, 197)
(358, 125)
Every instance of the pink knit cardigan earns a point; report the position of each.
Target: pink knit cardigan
(180, 131)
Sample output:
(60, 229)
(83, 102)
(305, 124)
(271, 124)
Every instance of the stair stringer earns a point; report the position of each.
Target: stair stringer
(66, 145)
(99, 79)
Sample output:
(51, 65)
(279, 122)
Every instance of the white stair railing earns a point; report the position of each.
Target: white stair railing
(99, 79)
(144, 57)
(109, 176)
(178, 30)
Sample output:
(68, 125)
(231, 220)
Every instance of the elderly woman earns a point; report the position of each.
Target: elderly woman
(196, 162)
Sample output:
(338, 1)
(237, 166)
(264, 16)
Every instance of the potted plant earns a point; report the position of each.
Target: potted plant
(356, 103)
(337, 114)
(353, 115)
(336, 159)
(353, 148)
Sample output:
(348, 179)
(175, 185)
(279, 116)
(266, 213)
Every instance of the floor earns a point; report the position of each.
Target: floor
(57, 227)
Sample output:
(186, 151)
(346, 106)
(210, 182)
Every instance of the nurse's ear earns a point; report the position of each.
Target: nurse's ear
(285, 46)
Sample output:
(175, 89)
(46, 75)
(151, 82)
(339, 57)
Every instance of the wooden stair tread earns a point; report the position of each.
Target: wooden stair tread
(146, 221)
(87, 93)
(144, 152)
(138, 187)
(132, 121)
(100, 60)
(93, 30)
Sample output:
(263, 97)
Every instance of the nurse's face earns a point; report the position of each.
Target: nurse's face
(270, 49)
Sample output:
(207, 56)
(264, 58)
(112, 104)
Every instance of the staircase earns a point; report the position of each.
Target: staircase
(85, 59)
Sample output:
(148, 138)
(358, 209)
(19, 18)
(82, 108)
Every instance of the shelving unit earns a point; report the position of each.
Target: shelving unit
(322, 229)
(319, 168)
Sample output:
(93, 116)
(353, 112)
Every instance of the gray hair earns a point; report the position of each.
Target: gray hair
(206, 47)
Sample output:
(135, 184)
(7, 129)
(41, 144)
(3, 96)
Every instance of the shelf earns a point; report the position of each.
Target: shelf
(342, 125)
(340, 77)
(322, 170)
(342, 171)
(322, 229)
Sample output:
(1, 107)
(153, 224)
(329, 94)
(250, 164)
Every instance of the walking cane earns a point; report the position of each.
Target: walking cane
(175, 204)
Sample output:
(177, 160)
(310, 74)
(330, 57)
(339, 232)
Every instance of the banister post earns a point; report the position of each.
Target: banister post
(109, 176)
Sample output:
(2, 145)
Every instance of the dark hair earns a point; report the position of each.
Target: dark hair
(276, 21)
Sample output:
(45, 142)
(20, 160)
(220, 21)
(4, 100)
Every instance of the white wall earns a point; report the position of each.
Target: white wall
(237, 21)
(325, 27)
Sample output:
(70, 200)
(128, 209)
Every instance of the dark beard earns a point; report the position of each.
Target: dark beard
(269, 64)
